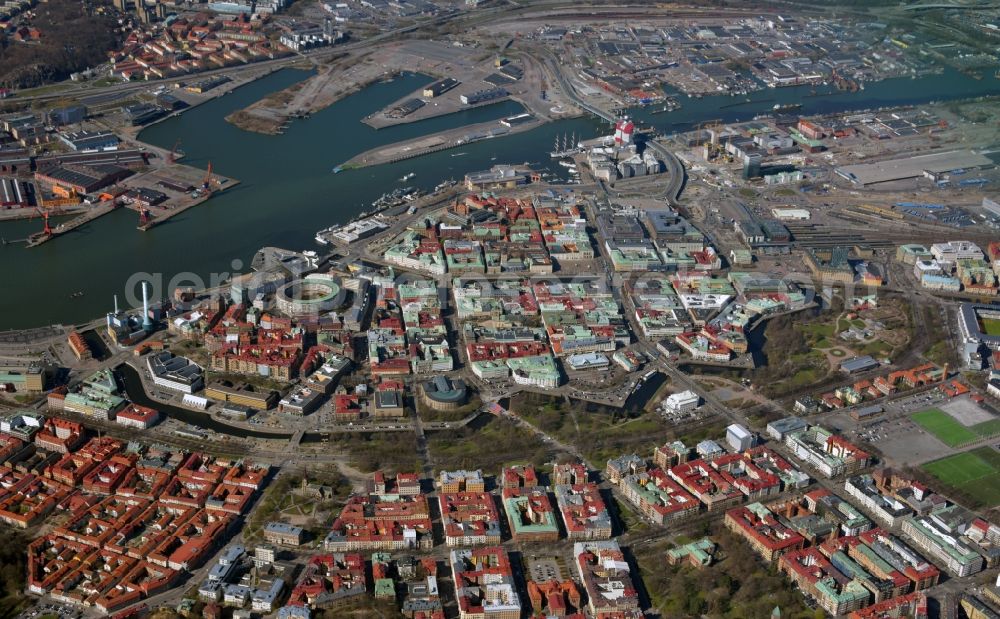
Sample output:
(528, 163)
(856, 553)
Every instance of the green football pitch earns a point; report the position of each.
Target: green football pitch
(975, 472)
(944, 427)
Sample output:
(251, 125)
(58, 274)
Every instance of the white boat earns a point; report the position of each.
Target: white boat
(407, 177)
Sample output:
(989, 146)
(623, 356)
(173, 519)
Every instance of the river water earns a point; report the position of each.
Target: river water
(288, 191)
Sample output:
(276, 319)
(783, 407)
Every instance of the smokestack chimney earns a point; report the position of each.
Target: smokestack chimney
(116, 305)
(147, 324)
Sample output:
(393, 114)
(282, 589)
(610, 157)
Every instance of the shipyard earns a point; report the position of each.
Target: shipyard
(445, 309)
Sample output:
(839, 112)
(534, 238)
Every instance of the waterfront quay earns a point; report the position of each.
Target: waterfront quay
(246, 154)
(444, 140)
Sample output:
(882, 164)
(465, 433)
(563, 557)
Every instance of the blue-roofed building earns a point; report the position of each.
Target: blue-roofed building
(858, 364)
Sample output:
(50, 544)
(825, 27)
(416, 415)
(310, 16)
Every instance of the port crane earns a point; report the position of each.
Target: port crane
(206, 184)
(144, 216)
(172, 157)
(47, 229)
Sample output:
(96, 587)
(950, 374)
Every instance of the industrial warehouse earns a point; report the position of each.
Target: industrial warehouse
(865, 174)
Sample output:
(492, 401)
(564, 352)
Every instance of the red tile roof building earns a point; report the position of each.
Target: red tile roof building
(658, 497)
(910, 606)
(717, 490)
(519, 476)
(79, 346)
(569, 474)
(758, 526)
(602, 568)
(135, 416)
(896, 557)
(13, 450)
(553, 598)
(469, 518)
(583, 511)
(817, 577)
(60, 435)
(73, 467)
(136, 522)
(383, 519)
(746, 476)
(109, 474)
(484, 584)
(26, 499)
(329, 579)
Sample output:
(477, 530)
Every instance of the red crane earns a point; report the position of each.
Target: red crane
(47, 230)
(172, 157)
(207, 183)
(144, 217)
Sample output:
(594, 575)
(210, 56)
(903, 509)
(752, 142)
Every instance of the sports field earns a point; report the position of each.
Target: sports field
(949, 431)
(944, 427)
(990, 326)
(975, 472)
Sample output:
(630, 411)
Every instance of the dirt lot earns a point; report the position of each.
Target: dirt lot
(966, 412)
(351, 72)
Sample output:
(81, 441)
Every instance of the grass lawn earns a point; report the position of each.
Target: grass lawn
(876, 348)
(975, 472)
(987, 428)
(819, 330)
(944, 427)
(837, 352)
(822, 343)
(990, 326)
(939, 353)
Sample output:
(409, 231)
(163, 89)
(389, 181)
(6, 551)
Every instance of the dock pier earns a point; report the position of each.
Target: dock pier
(99, 210)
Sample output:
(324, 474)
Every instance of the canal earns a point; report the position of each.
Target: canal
(288, 190)
(132, 383)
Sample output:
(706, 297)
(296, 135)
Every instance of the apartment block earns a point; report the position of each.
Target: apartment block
(329, 580)
(826, 452)
(836, 592)
(762, 530)
(659, 497)
(602, 568)
(461, 481)
(583, 511)
(469, 518)
(484, 584)
(933, 536)
(530, 514)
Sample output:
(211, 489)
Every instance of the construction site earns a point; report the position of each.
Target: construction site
(461, 77)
